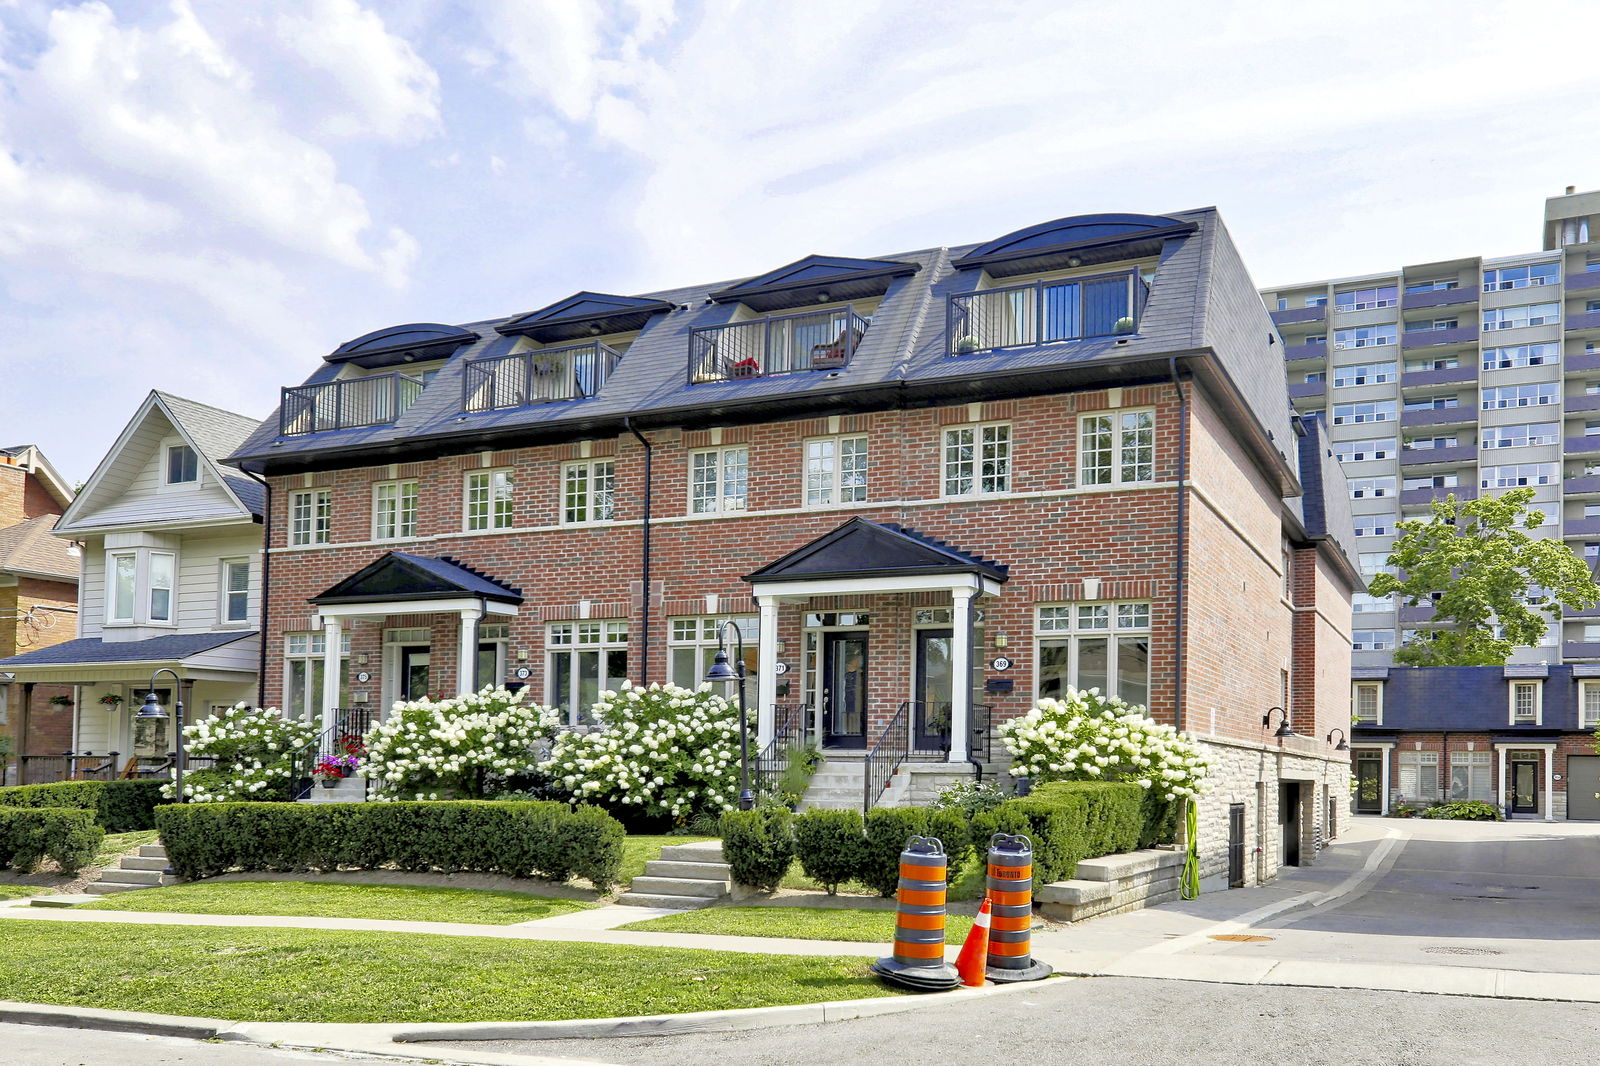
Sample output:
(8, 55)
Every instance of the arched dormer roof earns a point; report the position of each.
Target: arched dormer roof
(813, 278)
(1085, 238)
(414, 342)
(584, 314)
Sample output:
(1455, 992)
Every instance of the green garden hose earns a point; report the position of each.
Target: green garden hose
(1190, 885)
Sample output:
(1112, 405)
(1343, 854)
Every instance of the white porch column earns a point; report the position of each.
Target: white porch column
(1501, 789)
(1550, 784)
(960, 672)
(467, 655)
(1383, 794)
(332, 670)
(766, 670)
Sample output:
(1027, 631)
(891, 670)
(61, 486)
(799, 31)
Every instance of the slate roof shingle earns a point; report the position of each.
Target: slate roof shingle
(28, 547)
(90, 650)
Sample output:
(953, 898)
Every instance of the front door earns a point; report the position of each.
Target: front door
(1289, 818)
(414, 669)
(1525, 788)
(931, 726)
(844, 690)
(1369, 785)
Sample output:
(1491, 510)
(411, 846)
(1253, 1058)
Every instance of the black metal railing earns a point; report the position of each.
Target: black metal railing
(1043, 312)
(790, 732)
(370, 401)
(980, 735)
(347, 736)
(885, 757)
(546, 375)
(778, 344)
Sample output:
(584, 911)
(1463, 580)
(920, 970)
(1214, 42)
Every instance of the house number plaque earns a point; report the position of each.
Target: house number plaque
(363, 677)
(1000, 662)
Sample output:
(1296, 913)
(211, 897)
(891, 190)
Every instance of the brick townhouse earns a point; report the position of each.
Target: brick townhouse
(928, 489)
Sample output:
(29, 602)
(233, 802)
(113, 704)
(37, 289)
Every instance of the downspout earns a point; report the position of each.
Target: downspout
(1179, 568)
(266, 587)
(644, 552)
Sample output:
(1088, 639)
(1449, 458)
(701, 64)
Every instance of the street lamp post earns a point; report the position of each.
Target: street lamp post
(152, 711)
(721, 672)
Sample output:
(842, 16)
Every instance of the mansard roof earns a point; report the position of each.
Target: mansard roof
(585, 314)
(401, 576)
(816, 278)
(1071, 242)
(414, 342)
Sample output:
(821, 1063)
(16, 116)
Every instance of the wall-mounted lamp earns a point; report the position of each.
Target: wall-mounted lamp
(1341, 746)
(783, 646)
(361, 659)
(1074, 261)
(1284, 729)
(822, 296)
(1000, 640)
(522, 655)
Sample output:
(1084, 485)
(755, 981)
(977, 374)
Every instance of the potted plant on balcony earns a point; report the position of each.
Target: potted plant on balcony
(1122, 325)
(745, 368)
(331, 769)
(967, 345)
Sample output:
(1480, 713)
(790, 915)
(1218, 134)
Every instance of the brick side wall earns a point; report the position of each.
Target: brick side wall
(49, 726)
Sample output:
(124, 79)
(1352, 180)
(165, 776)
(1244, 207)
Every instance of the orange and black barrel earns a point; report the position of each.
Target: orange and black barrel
(1010, 889)
(918, 960)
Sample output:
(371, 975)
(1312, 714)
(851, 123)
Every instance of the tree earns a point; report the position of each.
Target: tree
(1477, 566)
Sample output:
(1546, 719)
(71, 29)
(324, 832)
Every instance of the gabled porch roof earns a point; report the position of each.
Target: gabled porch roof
(402, 578)
(865, 556)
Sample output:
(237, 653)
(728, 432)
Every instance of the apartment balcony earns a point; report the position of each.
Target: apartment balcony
(1307, 389)
(1412, 301)
(1433, 338)
(1580, 529)
(1587, 612)
(377, 400)
(1583, 281)
(1416, 498)
(1290, 315)
(1439, 416)
(778, 344)
(1580, 649)
(1418, 615)
(1586, 445)
(1458, 455)
(1581, 403)
(1455, 375)
(1293, 352)
(1582, 321)
(1587, 485)
(1045, 312)
(545, 375)
(1583, 362)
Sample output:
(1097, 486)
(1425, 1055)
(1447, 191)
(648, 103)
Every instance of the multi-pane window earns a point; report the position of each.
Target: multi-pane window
(1522, 315)
(1433, 286)
(394, 510)
(1371, 411)
(1374, 525)
(1317, 301)
(1374, 563)
(1366, 299)
(1521, 436)
(1363, 374)
(1419, 775)
(235, 598)
(1438, 403)
(1360, 451)
(1527, 698)
(123, 571)
(1371, 488)
(1441, 362)
(488, 503)
(583, 659)
(1364, 336)
(310, 516)
(836, 471)
(1470, 776)
(183, 466)
(1509, 356)
(1521, 277)
(1103, 646)
(1366, 701)
(1366, 603)
(1536, 395)
(719, 480)
(1428, 444)
(588, 491)
(977, 460)
(1431, 325)
(1313, 377)
(1372, 640)
(1588, 705)
(162, 577)
(1513, 475)
(1117, 449)
(692, 645)
(304, 666)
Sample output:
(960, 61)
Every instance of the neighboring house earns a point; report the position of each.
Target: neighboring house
(929, 489)
(170, 551)
(38, 594)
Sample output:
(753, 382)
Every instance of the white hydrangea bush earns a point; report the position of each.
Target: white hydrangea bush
(656, 751)
(1090, 737)
(254, 749)
(460, 748)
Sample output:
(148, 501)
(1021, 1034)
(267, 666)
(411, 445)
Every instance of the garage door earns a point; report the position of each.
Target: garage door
(1583, 781)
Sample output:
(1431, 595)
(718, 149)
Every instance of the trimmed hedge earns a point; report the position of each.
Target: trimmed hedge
(758, 846)
(66, 834)
(118, 806)
(516, 838)
(1073, 820)
(830, 845)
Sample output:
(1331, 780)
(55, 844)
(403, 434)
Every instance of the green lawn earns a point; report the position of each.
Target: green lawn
(116, 844)
(328, 900)
(284, 975)
(804, 923)
(640, 848)
(18, 891)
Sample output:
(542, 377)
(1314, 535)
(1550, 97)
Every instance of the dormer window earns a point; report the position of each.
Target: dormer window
(1045, 312)
(183, 466)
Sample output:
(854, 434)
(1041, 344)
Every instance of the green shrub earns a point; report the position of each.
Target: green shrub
(758, 846)
(888, 829)
(954, 830)
(830, 846)
(1072, 820)
(119, 806)
(1466, 810)
(971, 798)
(515, 838)
(68, 835)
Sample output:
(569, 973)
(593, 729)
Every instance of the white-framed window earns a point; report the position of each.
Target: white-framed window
(1366, 299)
(303, 668)
(494, 642)
(1317, 301)
(310, 516)
(394, 510)
(1103, 646)
(1374, 525)
(1423, 444)
(1521, 277)
(1431, 325)
(1364, 374)
(1374, 563)
(582, 660)
(1535, 395)
(1544, 353)
(977, 460)
(1366, 603)
(1117, 448)
(588, 491)
(1520, 436)
(1365, 336)
(234, 601)
(182, 466)
(122, 583)
(488, 501)
(1372, 640)
(1439, 362)
(1345, 414)
(140, 586)
(1419, 775)
(692, 645)
(1432, 286)
(835, 471)
(1314, 377)
(1366, 702)
(1361, 451)
(1470, 776)
(1589, 705)
(719, 480)
(163, 579)
(1514, 475)
(1521, 315)
(1371, 488)
(1527, 702)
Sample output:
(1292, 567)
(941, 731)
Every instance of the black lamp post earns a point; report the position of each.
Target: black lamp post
(1284, 729)
(1342, 745)
(722, 673)
(152, 711)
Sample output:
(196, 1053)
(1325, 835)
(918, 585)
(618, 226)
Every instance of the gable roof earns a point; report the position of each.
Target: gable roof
(28, 548)
(401, 576)
(585, 314)
(861, 547)
(30, 458)
(828, 277)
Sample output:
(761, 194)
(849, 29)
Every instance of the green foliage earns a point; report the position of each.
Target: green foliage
(830, 846)
(1466, 810)
(519, 839)
(466, 747)
(254, 751)
(970, 797)
(321, 899)
(888, 829)
(758, 846)
(1475, 564)
(119, 806)
(954, 830)
(800, 765)
(1072, 820)
(1085, 736)
(66, 835)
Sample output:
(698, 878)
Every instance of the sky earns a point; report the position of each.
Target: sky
(206, 197)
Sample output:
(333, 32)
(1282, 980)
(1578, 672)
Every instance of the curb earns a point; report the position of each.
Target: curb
(116, 1021)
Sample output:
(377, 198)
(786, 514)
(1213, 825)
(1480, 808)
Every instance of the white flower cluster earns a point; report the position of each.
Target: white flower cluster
(661, 750)
(1090, 737)
(457, 748)
(254, 751)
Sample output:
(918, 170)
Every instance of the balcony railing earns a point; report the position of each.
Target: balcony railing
(1583, 320)
(1289, 315)
(1582, 485)
(1044, 312)
(1585, 445)
(1301, 390)
(1428, 338)
(1309, 350)
(1580, 528)
(1583, 362)
(546, 375)
(778, 344)
(1588, 401)
(1424, 496)
(370, 401)
(1450, 375)
(1450, 455)
(1580, 649)
(1439, 298)
(1583, 281)
(1439, 416)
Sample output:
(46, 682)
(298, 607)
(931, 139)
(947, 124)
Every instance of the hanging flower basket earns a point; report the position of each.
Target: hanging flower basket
(61, 701)
(111, 701)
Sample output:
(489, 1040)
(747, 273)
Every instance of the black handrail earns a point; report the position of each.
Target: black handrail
(351, 724)
(885, 757)
(789, 731)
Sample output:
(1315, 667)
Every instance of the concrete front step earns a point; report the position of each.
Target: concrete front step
(104, 888)
(152, 851)
(143, 862)
(693, 871)
(142, 878)
(678, 886)
(700, 851)
(678, 903)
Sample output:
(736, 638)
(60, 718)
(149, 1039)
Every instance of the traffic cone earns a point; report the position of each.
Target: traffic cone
(975, 951)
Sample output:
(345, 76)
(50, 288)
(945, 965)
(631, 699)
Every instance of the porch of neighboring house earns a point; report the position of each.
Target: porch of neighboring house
(1516, 774)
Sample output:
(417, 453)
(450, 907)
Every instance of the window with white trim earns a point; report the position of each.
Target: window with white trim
(1527, 702)
(1370, 411)
(1536, 395)
(977, 460)
(310, 517)
(488, 501)
(582, 660)
(1372, 640)
(1419, 775)
(1544, 353)
(1522, 315)
(234, 605)
(835, 471)
(1361, 451)
(1470, 776)
(1375, 563)
(1365, 336)
(1422, 444)
(1366, 299)
(1431, 325)
(1520, 436)
(1366, 702)
(1500, 279)
(1103, 646)
(1374, 525)
(303, 666)
(588, 491)
(1364, 374)
(140, 586)
(1514, 475)
(692, 645)
(182, 466)
(1117, 448)
(122, 579)
(719, 480)
(1589, 705)
(1438, 362)
(1371, 488)
(1366, 603)
(394, 510)
(1432, 286)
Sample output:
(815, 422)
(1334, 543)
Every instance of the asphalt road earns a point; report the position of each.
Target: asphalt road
(35, 1045)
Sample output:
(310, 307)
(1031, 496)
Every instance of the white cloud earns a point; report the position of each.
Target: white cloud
(386, 89)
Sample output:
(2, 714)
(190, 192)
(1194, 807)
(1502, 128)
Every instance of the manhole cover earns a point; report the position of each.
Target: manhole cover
(1239, 938)
(1461, 951)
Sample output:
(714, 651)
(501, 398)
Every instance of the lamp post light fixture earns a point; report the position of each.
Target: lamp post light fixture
(1342, 745)
(721, 673)
(1284, 729)
(152, 711)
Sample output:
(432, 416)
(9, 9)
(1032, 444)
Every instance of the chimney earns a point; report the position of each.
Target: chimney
(1571, 189)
